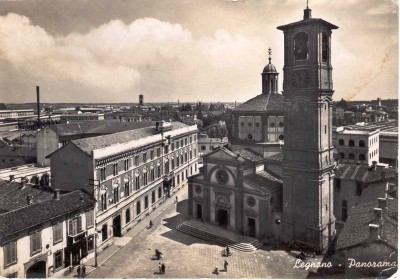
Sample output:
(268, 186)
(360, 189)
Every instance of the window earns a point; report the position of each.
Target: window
(151, 154)
(159, 192)
(75, 226)
(126, 164)
(58, 259)
(186, 141)
(115, 169)
(178, 180)
(190, 155)
(137, 183)
(186, 156)
(152, 175)
(241, 123)
(10, 253)
(173, 164)
(103, 202)
(361, 157)
(126, 190)
(177, 144)
(337, 185)
(341, 142)
(104, 232)
(116, 195)
(301, 46)
(58, 232)
(351, 156)
(344, 210)
(127, 215)
(341, 155)
(36, 242)
(190, 139)
(203, 148)
(361, 143)
(195, 152)
(325, 47)
(166, 149)
(181, 142)
(250, 124)
(102, 174)
(138, 210)
(177, 161)
(137, 160)
(158, 152)
(90, 243)
(280, 137)
(166, 167)
(158, 171)
(272, 124)
(144, 157)
(358, 188)
(325, 129)
(182, 159)
(89, 219)
(153, 196)
(351, 143)
(281, 124)
(172, 146)
(146, 202)
(145, 178)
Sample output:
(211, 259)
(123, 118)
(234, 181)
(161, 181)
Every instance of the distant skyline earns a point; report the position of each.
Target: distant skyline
(99, 51)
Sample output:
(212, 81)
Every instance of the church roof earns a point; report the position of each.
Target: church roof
(307, 22)
(264, 180)
(272, 102)
(249, 155)
(270, 68)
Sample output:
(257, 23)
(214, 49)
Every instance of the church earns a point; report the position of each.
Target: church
(237, 190)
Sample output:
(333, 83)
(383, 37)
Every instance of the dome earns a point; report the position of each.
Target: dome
(269, 68)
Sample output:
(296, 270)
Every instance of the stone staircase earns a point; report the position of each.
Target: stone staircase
(218, 240)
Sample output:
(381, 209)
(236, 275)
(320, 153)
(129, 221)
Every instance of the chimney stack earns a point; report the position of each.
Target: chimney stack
(38, 105)
(57, 194)
(373, 232)
(29, 199)
(382, 203)
(378, 213)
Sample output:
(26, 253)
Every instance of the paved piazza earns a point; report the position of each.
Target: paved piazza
(188, 257)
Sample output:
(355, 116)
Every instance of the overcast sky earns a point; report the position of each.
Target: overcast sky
(191, 50)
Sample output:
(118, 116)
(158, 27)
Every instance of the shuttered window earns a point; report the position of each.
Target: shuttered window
(10, 253)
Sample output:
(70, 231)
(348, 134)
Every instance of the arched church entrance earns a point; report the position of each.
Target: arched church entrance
(37, 270)
(222, 217)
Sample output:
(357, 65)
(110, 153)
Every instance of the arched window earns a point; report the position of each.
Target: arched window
(280, 137)
(351, 156)
(351, 143)
(361, 157)
(281, 124)
(272, 124)
(325, 47)
(250, 124)
(341, 142)
(301, 46)
(361, 143)
(341, 155)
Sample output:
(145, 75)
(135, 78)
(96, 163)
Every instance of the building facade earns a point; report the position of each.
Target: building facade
(308, 217)
(130, 173)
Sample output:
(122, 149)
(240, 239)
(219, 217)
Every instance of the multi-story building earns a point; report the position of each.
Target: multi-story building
(42, 231)
(82, 117)
(130, 173)
(207, 144)
(15, 114)
(356, 145)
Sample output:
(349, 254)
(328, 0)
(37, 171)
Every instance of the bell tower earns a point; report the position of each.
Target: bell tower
(307, 217)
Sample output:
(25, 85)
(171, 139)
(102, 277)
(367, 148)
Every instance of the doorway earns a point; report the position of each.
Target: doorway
(223, 217)
(37, 270)
(199, 211)
(251, 224)
(117, 226)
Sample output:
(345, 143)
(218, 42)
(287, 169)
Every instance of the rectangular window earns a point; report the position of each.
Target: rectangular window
(159, 192)
(10, 253)
(115, 169)
(137, 160)
(58, 259)
(145, 177)
(144, 157)
(75, 226)
(116, 195)
(126, 165)
(146, 202)
(89, 219)
(337, 185)
(151, 154)
(137, 183)
(186, 157)
(159, 171)
(177, 161)
(153, 196)
(182, 159)
(102, 174)
(36, 242)
(186, 141)
(58, 232)
(103, 202)
(173, 164)
(127, 189)
(90, 243)
(138, 210)
(177, 144)
(166, 149)
(152, 175)
(172, 146)
(203, 147)
(195, 152)
(181, 142)
(158, 152)
(190, 139)
(190, 154)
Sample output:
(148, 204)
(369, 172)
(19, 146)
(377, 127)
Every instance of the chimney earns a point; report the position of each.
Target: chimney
(382, 203)
(38, 105)
(29, 199)
(11, 178)
(57, 194)
(378, 213)
(373, 232)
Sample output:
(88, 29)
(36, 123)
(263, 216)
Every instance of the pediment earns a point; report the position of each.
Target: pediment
(222, 155)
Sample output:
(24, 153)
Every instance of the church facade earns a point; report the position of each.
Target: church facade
(294, 205)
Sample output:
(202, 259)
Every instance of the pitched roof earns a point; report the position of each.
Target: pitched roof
(306, 22)
(93, 143)
(249, 155)
(277, 157)
(38, 213)
(356, 229)
(364, 173)
(13, 196)
(272, 102)
(264, 180)
(96, 127)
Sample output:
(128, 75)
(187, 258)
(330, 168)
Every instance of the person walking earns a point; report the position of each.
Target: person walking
(159, 268)
(83, 272)
(225, 265)
(163, 268)
(215, 271)
(227, 251)
(79, 271)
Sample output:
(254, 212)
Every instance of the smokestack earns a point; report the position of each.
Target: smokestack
(38, 105)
